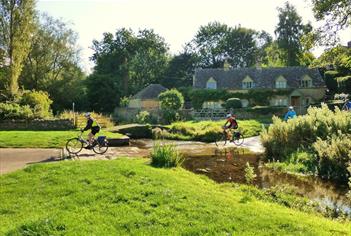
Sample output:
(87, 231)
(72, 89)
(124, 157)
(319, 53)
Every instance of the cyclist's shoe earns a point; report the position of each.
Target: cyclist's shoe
(88, 147)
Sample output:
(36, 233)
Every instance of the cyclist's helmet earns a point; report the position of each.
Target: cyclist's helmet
(291, 108)
(87, 114)
(228, 115)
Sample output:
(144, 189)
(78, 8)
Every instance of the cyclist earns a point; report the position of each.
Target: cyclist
(347, 105)
(231, 123)
(290, 114)
(93, 126)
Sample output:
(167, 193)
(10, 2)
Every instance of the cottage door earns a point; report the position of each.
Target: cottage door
(296, 103)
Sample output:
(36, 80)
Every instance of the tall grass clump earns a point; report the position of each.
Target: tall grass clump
(165, 155)
(322, 132)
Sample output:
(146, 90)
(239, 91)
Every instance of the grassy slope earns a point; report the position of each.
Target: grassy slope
(130, 197)
(42, 139)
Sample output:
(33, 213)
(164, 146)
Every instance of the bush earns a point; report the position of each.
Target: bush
(334, 156)
(165, 155)
(232, 103)
(103, 120)
(39, 102)
(15, 111)
(330, 80)
(142, 117)
(321, 132)
(249, 173)
(171, 100)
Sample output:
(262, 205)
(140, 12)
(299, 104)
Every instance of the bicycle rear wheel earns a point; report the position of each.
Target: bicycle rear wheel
(238, 139)
(74, 146)
(222, 140)
(101, 148)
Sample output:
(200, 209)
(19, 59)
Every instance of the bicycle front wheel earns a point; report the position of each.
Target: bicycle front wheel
(238, 139)
(222, 140)
(101, 148)
(74, 146)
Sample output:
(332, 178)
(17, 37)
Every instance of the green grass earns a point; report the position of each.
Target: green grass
(42, 139)
(126, 196)
(209, 131)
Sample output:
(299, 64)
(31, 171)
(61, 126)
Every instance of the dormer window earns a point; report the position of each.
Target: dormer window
(280, 82)
(306, 82)
(248, 83)
(211, 84)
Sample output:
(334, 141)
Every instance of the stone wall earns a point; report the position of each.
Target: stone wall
(37, 124)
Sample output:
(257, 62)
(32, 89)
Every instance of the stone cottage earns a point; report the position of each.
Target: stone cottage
(147, 99)
(305, 85)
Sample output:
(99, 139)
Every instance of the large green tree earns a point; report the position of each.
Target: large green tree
(215, 43)
(128, 62)
(289, 31)
(180, 70)
(52, 64)
(17, 20)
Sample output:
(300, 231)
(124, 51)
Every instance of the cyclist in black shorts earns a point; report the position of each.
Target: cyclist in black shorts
(93, 126)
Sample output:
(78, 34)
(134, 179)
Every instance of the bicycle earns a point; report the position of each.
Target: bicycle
(237, 138)
(75, 145)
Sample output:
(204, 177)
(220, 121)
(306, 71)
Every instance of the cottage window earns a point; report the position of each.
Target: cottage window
(280, 82)
(281, 102)
(211, 84)
(248, 83)
(306, 82)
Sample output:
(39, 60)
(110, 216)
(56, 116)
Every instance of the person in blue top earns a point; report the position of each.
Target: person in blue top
(290, 114)
(347, 106)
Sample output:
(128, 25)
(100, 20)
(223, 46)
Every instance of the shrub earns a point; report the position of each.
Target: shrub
(249, 174)
(165, 155)
(103, 120)
(233, 103)
(142, 117)
(39, 102)
(330, 80)
(171, 100)
(322, 132)
(124, 102)
(334, 156)
(15, 111)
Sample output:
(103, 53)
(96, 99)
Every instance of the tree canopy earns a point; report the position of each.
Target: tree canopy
(128, 62)
(17, 20)
(289, 31)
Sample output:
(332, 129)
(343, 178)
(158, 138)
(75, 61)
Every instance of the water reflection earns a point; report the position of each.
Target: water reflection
(228, 165)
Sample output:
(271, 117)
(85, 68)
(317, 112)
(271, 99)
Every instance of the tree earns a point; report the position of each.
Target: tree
(52, 64)
(275, 56)
(215, 43)
(16, 28)
(171, 101)
(180, 70)
(128, 62)
(289, 32)
(336, 14)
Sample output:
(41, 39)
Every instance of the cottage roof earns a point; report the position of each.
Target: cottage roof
(150, 92)
(262, 77)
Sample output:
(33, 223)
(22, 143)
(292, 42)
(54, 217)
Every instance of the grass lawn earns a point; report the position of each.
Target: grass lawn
(127, 196)
(42, 139)
(209, 131)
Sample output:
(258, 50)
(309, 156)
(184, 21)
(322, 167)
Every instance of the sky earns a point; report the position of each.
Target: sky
(177, 21)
